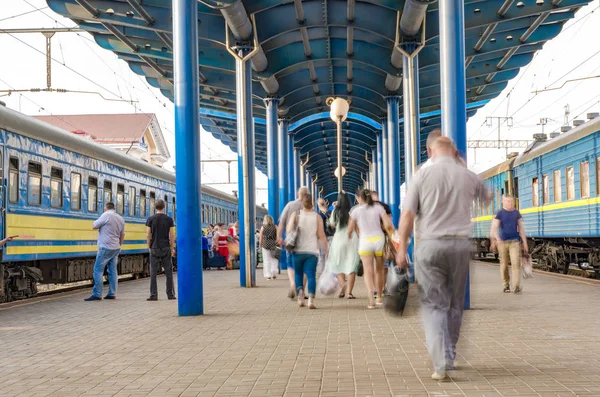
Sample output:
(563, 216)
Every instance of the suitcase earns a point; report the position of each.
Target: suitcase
(217, 261)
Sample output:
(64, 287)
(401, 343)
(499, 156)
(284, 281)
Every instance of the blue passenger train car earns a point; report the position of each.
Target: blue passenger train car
(55, 184)
(556, 184)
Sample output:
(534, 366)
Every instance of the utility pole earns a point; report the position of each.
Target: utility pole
(489, 121)
(543, 122)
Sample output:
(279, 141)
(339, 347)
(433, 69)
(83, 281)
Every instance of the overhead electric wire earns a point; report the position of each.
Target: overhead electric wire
(22, 14)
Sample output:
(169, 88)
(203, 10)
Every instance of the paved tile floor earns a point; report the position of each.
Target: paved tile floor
(256, 342)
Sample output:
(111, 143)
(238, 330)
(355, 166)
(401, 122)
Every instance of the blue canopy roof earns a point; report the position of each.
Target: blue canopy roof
(310, 50)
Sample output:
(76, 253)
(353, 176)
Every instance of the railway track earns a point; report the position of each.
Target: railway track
(574, 270)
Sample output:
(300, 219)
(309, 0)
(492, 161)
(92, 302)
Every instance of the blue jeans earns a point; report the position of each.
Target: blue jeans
(289, 260)
(306, 264)
(106, 257)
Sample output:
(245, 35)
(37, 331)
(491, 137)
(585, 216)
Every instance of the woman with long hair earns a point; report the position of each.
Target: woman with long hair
(267, 241)
(343, 253)
(367, 218)
(306, 251)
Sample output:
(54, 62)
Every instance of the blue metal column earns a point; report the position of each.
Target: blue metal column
(394, 156)
(290, 161)
(187, 161)
(386, 162)
(274, 169)
(453, 84)
(375, 165)
(380, 164)
(297, 181)
(246, 183)
(282, 164)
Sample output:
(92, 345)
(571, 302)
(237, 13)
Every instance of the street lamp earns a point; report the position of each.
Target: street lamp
(339, 113)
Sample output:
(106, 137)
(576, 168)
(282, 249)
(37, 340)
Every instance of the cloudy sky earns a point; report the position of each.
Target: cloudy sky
(82, 65)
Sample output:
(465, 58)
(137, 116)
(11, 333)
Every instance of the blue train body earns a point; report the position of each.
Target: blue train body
(556, 187)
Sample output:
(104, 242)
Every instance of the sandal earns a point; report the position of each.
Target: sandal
(350, 296)
(379, 302)
(371, 307)
(507, 290)
(342, 292)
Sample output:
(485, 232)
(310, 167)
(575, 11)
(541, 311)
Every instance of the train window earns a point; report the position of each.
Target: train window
(107, 192)
(92, 194)
(166, 205)
(56, 187)
(142, 203)
(204, 220)
(120, 199)
(570, 183)
(34, 183)
(584, 179)
(152, 201)
(75, 191)
(13, 180)
(535, 193)
(546, 189)
(557, 184)
(131, 201)
(174, 210)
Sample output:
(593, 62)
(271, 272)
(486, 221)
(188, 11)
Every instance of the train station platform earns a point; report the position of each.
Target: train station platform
(256, 342)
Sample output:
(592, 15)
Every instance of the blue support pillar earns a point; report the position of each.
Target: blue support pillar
(394, 156)
(375, 165)
(380, 165)
(452, 79)
(297, 180)
(290, 172)
(246, 165)
(274, 168)
(187, 161)
(282, 136)
(386, 162)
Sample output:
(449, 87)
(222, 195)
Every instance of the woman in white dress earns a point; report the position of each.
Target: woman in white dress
(343, 253)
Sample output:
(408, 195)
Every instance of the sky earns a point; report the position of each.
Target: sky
(80, 64)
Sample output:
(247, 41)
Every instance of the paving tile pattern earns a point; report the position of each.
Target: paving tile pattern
(256, 342)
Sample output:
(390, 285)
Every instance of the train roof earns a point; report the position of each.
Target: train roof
(497, 169)
(30, 127)
(570, 136)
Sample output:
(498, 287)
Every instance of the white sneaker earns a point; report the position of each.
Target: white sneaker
(439, 375)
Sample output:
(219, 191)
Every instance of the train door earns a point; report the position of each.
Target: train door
(3, 190)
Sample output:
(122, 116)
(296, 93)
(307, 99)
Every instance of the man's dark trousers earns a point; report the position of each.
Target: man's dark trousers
(158, 256)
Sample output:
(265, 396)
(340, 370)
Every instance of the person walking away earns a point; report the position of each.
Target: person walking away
(288, 210)
(343, 252)
(161, 243)
(111, 233)
(306, 252)
(439, 203)
(507, 230)
(268, 242)
(433, 135)
(324, 214)
(367, 218)
(388, 211)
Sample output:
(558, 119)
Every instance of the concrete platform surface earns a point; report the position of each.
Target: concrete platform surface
(256, 342)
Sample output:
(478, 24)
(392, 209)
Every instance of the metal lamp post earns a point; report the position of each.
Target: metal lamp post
(339, 113)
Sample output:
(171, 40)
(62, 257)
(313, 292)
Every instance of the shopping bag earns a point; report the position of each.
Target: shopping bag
(327, 283)
(526, 267)
(276, 253)
(396, 291)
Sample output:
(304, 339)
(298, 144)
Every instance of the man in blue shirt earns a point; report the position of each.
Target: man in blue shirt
(111, 233)
(508, 233)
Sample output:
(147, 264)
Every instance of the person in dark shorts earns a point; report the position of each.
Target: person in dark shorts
(161, 243)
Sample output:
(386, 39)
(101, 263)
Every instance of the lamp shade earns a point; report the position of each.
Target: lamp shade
(337, 173)
(339, 108)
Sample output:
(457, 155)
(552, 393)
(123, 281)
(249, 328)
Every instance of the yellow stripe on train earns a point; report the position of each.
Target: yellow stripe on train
(57, 228)
(548, 207)
(53, 249)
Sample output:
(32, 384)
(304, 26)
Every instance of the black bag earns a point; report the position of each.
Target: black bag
(361, 270)
(396, 291)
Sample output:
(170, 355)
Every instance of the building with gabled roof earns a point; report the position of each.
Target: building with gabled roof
(136, 134)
